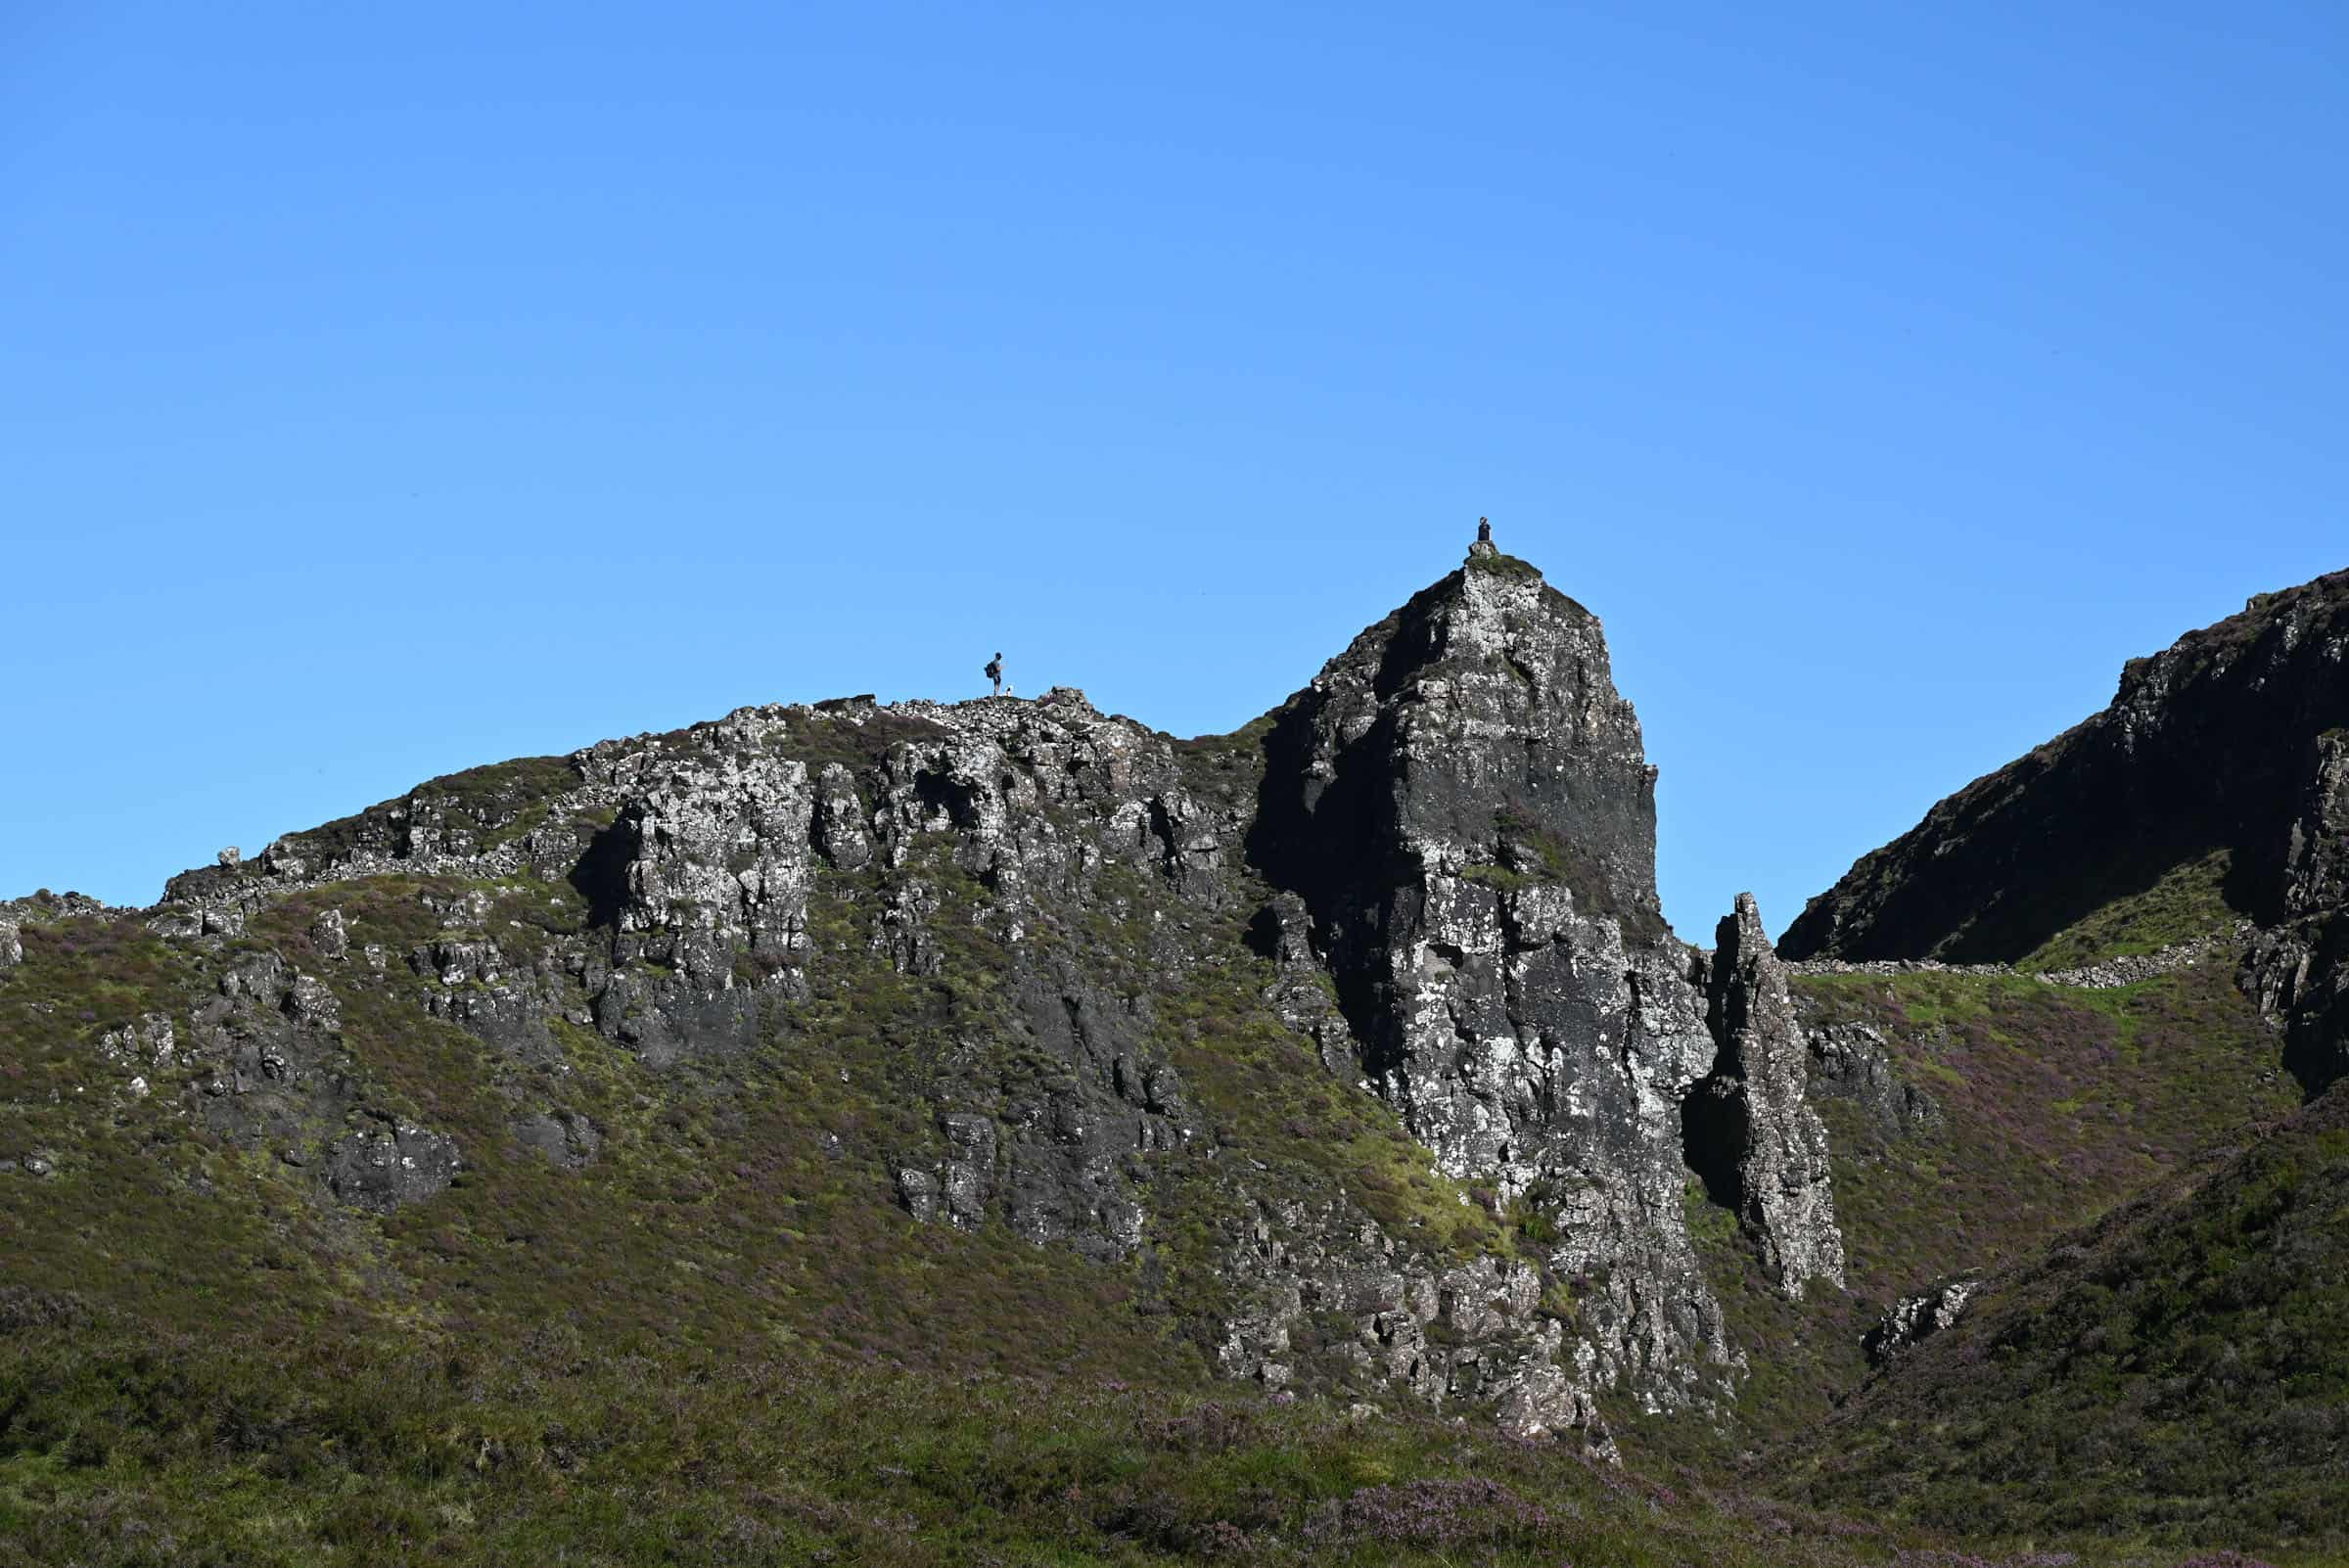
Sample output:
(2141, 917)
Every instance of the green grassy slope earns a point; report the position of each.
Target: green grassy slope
(127, 1447)
(2180, 1372)
(2055, 1105)
(2190, 900)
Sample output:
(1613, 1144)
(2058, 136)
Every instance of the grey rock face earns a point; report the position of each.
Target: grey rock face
(563, 1137)
(1447, 847)
(840, 821)
(1759, 1148)
(2317, 850)
(1486, 1332)
(918, 1194)
(506, 1004)
(2298, 970)
(12, 944)
(261, 1069)
(151, 1043)
(1854, 1062)
(1462, 804)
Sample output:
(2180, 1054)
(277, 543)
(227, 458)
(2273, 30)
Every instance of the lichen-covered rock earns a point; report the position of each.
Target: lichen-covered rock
(1917, 1317)
(2298, 970)
(149, 1042)
(1462, 804)
(840, 821)
(1748, 1130)
(1323, 1287)
(330, 936)
(12, 944)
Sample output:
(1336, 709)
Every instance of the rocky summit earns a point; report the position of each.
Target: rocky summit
(1308, 1144)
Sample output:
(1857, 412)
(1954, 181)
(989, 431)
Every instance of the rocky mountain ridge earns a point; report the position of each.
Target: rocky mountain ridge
(1430, 873)
(1346, 1059)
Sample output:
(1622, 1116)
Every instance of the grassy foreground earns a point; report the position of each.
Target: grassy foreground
(120, 1447)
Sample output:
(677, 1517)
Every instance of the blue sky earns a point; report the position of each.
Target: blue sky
(388, 390)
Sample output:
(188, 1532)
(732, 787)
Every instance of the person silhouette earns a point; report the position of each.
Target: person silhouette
(1484, 531)
(995, 671)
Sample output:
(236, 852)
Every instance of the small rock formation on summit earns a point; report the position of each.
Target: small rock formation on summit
(2228, 748)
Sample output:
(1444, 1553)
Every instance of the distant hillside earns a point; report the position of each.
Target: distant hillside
(2213, 791)
(2195, 773)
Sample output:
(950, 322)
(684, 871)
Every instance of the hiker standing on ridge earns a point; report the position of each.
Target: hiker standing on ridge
(995, 671)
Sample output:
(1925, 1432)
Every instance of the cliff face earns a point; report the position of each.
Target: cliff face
(1462, 804)
(1356, 1039)
(2298, 969)
(2209, 792)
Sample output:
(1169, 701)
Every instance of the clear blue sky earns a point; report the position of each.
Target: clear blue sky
(386, 389)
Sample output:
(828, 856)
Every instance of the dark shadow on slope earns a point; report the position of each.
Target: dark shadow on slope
(602, 875)
(1329, 842)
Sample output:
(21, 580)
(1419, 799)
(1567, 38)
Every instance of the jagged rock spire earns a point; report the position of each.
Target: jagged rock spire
(1462, 802)
(1759, 1148)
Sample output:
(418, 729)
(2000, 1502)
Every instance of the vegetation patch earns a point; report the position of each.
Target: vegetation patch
(2179, 1374)
(2056, 1104)
(126, 1444)
(2188, 901)
(1507, 566)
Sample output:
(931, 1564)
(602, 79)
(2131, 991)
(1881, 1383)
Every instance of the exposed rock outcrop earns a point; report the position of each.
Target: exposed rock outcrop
(1759, 1148)
(1462, 804)
(1440, 855)
(387, 1163)
(2298, 971)
(1915, 1318)
(1853, 1061)
(1486, 1332)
